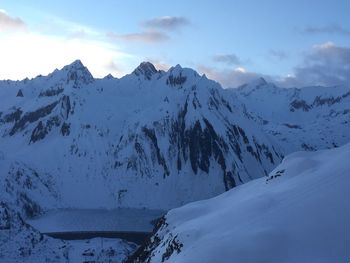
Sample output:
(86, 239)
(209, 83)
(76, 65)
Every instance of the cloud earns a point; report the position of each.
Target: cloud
(230, 78)
(114, 68)
(29, 54)
(161, 65)
(329, 29)
(9, 23)
(229, 59)
(278, 54)
(54, 43)
(327, 64)
(145, 37)
(166, 22)
(158, 63)
(154, 30)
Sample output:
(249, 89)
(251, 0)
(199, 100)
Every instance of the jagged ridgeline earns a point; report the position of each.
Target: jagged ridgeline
(152, 138)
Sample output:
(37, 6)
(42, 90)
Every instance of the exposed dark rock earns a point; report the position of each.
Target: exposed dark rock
(277, 174)
(65, 106)
(31, 117)
(65, 129)
(229, 181)
(319, 101)
(307, 147)
(38, 133)
(172, 246)
(299, 104)
(41, 130)
(177, 80)
(5, 217)
(19, 93)
(292, 126)
(13, 116)
(145, 69)
(78, 74)
(51, 92)
(242, 133)
(195, 102)
(29, 207)
(161, 161)
(146, 251)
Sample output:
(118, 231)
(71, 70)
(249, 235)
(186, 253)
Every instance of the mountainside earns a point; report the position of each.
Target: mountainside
(297, 214)
(172, 134)
(152, 138)
(309, 118)
(159, 139)
(19, 242)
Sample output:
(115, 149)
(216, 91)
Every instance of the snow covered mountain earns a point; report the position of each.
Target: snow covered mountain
(297, 214)
(157, 139)
(150, 139)
(307, 118)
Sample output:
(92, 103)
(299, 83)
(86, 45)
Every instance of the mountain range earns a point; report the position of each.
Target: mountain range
(151, 139)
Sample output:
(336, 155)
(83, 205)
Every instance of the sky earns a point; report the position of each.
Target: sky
(291, 43)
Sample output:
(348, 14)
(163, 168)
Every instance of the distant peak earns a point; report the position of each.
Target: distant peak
(175, 69)
(258, 82)
(255, 85)
(146, 69)
(75, 65)
(178, 69)
(77, 72)
(178, 75)
(178, 66)
(109, 76)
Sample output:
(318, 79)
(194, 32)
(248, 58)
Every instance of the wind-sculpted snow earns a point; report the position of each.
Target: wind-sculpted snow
(299, 213)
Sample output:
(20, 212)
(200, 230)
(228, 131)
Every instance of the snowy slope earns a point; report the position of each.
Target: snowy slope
(300, 213)
(150, 139)
(309, 118)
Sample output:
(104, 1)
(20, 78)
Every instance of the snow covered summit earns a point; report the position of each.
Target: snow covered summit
(145, 69)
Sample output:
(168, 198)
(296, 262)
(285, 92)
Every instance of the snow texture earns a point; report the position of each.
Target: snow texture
(297, 214)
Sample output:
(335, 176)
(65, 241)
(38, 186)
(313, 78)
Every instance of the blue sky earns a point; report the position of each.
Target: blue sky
(231, 41)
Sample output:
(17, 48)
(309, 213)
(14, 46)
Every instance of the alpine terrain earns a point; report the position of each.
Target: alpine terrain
(158, 139)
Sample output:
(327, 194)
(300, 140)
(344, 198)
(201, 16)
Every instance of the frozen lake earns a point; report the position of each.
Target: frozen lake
(96, 220)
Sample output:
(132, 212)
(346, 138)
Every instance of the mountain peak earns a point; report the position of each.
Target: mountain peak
(146, 69)
(77, 72)
(77, 64)
(179, 70)
(258, 82)
(109, 76)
